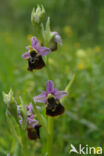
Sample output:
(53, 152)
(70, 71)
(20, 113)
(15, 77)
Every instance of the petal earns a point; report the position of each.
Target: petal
(55, 89)
(35, 123)
(18, 108)
(29, 107)
(50, 86)
(40, 98)
(30, 119)
(26, 55)
(58, 39)
(27, 47)
(38, 107)
(44, 92)
(44, 51)
(35, 43)
(21, 120)
(60, 94)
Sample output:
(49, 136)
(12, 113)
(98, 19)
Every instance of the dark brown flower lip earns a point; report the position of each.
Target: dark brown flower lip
(58, 111)
(38, 62)
(54, 107)
(34, 133)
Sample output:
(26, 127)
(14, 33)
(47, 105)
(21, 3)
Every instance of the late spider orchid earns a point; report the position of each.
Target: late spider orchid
(51, 98)
(34, 55)
(32, 124)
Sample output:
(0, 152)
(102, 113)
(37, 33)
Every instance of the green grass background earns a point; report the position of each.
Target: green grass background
(81, 25)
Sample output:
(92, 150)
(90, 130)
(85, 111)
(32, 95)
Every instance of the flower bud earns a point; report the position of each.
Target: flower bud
(37, 15)
(52, 39)
(11, 103)
(55, 40)
(8, 98)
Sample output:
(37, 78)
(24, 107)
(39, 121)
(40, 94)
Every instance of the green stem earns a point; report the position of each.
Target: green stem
(48, 71)
(50, 125)
(41, 119)
(37, 31)
(25, 151)
(69, 85)
(24, 141)
(50, 136)
(67, 89)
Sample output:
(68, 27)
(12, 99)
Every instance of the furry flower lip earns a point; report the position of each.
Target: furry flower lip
(34, 55)
(33, 127)
(51, 98)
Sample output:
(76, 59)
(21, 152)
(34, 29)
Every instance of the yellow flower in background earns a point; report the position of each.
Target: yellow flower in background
(81, 53)
(77, 45)
(97, 49)
(80, 66)
(29, 36)
(68, 30)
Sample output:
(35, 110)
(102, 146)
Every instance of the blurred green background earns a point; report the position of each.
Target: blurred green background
(81, 24)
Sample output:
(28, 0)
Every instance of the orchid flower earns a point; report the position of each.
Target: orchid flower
(34, 54)
(51, 98)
